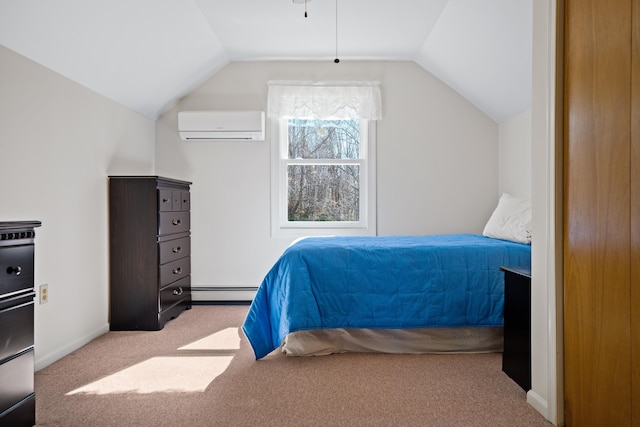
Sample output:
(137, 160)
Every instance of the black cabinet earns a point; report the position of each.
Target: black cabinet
(17, 292)
(149, 251)
(516, 359)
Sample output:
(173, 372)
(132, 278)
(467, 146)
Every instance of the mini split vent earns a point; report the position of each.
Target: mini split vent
(221, 125)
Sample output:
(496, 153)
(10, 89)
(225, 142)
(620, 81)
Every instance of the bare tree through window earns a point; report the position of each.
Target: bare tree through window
(323, 179)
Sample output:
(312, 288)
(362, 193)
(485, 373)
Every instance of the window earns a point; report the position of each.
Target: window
(323, 168)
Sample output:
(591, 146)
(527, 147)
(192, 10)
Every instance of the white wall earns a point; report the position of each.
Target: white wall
(58, 143)
(546, 394)
(528, 169)
(437, 164)
(515, 155)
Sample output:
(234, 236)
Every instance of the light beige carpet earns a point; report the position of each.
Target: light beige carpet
(200, 371)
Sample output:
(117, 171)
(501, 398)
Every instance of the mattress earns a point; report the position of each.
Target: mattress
(382, 282)
(322, 342)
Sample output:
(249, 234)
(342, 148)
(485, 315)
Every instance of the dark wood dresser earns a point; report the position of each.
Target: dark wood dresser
(149, 250)
(516, 358)
(17, 292)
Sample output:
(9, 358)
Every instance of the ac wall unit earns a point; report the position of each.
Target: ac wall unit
(221, 125)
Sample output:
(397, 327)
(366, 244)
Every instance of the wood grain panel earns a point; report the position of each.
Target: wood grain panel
(635, 215)
(597, 214)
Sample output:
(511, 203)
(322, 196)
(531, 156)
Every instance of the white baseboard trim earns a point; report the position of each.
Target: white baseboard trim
(538, 403)
(223, 293)
(43, 361)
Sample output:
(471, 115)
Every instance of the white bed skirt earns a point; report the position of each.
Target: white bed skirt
(422, 340)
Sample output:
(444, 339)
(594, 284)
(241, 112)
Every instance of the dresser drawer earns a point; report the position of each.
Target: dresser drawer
(165, 200)
(174, 222)
(175, 292)
(177, 200)
(24, 414)
(185, 201)
(173, 200)
(175, 270)
(174, 249)
(16, 268)
(16, 380)
(16, 333)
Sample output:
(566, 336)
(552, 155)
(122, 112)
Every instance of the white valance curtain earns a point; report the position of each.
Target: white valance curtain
(325, 100)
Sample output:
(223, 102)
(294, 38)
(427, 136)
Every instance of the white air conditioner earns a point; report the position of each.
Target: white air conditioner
(221, 125)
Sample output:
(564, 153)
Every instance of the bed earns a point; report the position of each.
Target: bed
(406, 294)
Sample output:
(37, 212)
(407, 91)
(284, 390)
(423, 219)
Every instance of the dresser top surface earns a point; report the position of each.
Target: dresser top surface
(19, 225)
(522, 271)
(159, 179)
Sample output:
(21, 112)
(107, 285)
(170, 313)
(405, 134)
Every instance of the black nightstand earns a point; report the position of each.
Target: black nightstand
(516, 358)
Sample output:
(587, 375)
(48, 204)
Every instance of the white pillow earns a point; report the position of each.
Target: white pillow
(511, 220)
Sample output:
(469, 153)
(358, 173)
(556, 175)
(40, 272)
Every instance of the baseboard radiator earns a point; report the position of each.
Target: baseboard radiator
(238, 294)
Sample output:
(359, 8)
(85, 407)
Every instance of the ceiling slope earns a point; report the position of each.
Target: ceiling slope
(147, 54)
(483, 50)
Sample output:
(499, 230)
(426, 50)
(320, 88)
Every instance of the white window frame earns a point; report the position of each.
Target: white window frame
(280, 224)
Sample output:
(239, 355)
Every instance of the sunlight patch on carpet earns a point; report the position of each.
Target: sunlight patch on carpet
(227, 339)
(161, 375)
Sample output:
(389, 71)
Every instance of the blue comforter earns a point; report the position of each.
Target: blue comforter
(382, 282)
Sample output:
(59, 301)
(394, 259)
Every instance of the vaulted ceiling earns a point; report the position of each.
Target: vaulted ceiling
(147, 54)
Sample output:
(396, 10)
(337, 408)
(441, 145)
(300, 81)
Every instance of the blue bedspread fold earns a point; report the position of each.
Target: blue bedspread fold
(382, 282)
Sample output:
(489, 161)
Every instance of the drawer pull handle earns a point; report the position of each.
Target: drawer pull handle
(165, 200)
(177, 270)
(176, 250)
(178, 291)
(17, 270)
(176, 222)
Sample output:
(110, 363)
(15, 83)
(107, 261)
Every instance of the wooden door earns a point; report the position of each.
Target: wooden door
(598, 214)
(635, 213)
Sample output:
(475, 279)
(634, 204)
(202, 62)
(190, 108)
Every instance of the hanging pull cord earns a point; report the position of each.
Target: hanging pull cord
(305, 8)
(336, 60)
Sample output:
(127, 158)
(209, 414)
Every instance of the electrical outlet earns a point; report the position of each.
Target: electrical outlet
(44, 293)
